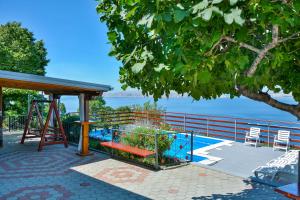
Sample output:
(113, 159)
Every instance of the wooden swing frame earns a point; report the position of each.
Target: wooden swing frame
(49, 135)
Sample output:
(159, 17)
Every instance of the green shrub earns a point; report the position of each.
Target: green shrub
(165, 126)
(144, 138)
(70, 118)
(123, 109)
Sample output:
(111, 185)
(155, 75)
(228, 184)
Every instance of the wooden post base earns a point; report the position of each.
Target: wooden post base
(85, 139)
(87, 154)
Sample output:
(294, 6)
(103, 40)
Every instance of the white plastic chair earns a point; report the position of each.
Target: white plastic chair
(252, 137)
(282, 140)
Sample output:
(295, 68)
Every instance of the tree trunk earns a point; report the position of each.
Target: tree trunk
(266, 98)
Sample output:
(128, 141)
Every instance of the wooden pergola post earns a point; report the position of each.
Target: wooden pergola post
(83, 146)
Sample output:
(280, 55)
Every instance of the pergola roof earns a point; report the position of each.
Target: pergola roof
(50, 85)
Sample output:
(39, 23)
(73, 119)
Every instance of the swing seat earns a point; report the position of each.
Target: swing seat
(36, 132)
(129, 149)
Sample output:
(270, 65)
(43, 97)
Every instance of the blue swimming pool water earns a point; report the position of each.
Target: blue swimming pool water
(182, 145)
(179, 148)
(103, 134)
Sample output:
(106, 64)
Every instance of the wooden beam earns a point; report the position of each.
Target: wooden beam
(49, 88)
(70, 92)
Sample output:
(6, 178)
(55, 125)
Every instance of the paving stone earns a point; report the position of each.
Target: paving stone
(58, 173)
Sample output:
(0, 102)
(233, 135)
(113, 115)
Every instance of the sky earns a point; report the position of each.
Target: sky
(74, 37)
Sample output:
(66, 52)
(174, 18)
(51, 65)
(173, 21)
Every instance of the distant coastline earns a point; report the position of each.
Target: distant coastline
(138, 94)
(135, 94)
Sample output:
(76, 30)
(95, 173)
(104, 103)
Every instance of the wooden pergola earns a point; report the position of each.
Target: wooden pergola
(55, 88)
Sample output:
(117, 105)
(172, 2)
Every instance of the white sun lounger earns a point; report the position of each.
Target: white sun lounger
(279, 171)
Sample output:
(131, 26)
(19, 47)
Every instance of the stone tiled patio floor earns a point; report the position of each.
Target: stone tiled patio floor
(57, 173)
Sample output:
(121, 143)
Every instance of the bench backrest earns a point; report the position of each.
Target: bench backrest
(283, 135)
(254, 132)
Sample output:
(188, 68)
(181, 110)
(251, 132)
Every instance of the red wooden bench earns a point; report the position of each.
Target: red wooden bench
(129, 149)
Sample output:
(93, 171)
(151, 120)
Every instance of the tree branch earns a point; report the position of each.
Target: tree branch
(282, 1)
(261, 52)
(275, 34)
(291, 37)
(275, 42)
(266, 98)
(230, 39)
(241, 44)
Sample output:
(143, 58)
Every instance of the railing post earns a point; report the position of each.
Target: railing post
(156, 151)
(184, 121)
(9, 124)
(235, 130)
(24, 119)
(112, 140)
(148, 118)
(192, 145)
(165, 115)
(268, 133)
(207, 127)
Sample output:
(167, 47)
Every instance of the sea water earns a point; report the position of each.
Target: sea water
(238, 107)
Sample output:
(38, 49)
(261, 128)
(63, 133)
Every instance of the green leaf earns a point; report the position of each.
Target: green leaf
(112, 36)
(196, 93)
(179, 68)
(137, 67)
(124, 87)
(297, 6)
(131, 13)
(200, 6)
(228, 18)
(160, 67)
(179, 5)
(217, 10)
(206, 14)
(167, 17)
(235, 15)
(242, 34)
(243, 62)
(157, 4)
(179, 15)
(146, 20)
(227, 63)
(216, 1)
(233, 2)
(146, 55)
(204, 76)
